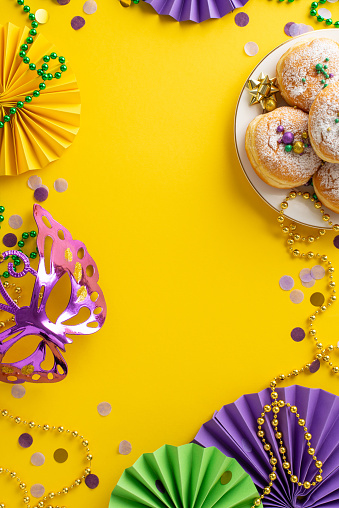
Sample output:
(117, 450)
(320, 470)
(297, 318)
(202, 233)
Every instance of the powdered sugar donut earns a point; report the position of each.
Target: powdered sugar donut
(323, 128)
(326, 185)
(268, 154)
(305, 68)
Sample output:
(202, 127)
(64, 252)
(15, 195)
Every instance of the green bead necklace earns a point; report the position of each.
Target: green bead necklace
(45, 76)
(314, 12)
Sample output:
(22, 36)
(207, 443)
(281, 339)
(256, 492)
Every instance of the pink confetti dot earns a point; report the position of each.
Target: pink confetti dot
(296, 296)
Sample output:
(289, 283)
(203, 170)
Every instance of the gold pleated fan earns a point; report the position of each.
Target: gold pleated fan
(41, 131)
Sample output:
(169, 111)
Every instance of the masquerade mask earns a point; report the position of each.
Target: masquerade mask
(67, 256)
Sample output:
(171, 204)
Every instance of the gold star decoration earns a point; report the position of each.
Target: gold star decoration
(263, 91)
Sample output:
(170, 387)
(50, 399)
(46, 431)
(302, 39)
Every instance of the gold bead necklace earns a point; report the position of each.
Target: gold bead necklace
(18, 291)
(45, 501)
(322, 353)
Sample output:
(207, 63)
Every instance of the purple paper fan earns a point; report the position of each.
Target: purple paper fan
(195, 10)
(233, 430)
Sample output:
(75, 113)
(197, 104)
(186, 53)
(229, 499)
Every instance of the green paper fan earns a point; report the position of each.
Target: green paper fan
(184, 477)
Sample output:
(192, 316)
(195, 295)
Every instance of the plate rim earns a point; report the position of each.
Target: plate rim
(305, 35)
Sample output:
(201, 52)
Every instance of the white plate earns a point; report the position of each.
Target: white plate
(299, 210)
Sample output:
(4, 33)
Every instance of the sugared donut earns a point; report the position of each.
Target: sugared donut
(298, 71)
(324, 124)
(269, 142)
(326, 185)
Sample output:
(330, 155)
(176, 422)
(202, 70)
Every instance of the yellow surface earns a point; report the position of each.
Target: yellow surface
(189, 256)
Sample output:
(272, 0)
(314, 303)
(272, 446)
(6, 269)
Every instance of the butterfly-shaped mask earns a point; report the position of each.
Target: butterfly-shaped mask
(67, 256)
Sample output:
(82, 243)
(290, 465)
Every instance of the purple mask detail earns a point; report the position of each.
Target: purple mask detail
(69, 257)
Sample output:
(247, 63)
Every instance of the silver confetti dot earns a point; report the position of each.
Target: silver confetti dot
(251, 48)
(90, 7)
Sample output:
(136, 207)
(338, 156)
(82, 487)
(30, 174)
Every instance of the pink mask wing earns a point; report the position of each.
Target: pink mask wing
(67, 256)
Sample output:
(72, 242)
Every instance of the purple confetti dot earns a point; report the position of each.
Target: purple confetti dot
(40, 194)
(241, 19)
(287, 28)
(298, 334)
(25, 440)
(9, 240)
(63, 2)
(336, 242)
(77, 22)
(286, 283)
(92, 481)
(315, 366)
(160, 486)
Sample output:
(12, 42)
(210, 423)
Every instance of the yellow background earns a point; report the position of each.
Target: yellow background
(189, 256)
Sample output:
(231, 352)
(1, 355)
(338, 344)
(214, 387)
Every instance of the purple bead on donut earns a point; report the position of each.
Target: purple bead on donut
(280, 128)
(288, 138)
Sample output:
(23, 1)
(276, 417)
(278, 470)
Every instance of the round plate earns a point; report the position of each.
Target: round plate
(300, 211)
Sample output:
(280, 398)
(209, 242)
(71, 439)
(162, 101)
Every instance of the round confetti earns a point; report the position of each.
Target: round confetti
(318, 272)
(305, 275)
(92, 481)
(60, 185)
(77, 22)
(25, 440)
(40, 194)
(60, 455)
(15, 221)
(160, 486)
(298, 334)
(286, 283)
(246, 446)
(251, 48)
(63, 2)
(226, 477)
(37, 490)
(37, 459)
(90, 7)
(9, 240)
(336, 241)
(308, 284)
(332, 1)
(287, 28)
(296, 296)
(41, 16)
(18, 391)
(315, 365)
(34, 182)
(125, 447)
(104, 408)
(317, 299)
(241, 19)
(325, 13)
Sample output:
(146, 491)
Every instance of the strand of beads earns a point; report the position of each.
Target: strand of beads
(16, 260)
(314, 12)
(42, 503)
(18, 292)
(276, 406)
(42, 72)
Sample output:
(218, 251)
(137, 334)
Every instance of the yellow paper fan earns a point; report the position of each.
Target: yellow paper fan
(41, 131)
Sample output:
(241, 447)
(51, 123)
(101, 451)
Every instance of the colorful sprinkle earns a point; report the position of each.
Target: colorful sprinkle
(286, 283)
(251, 48)
(298, 334)
(296, 296)
(25, 440)
(92, 481)
(10, 240)
(77, 22)
(241, 19)
(317, 299)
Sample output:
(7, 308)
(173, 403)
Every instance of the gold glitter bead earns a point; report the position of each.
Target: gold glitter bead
(284, 205)
(273, 461)
(26, 499)
(89, 457)
(278, 435)
(22, 485)
(267, 491)
(280, 218)
(65, 490)
(296, 252)
(311, 451)
(275, 422)
(317, 204)
(318, 478)
(286, 465)
(273, 383)
(301, 422)
(292, 194)
(60, 429)
(308, 436)
(260, 421)
(281, 403)
(285, 230)
(310, 239)
(46, 427)
(77, 482)
(293, 409)
(307, 485)
(296, 237)
(335, 370)
(326, 358)
(304, 135)
(17, 419)
(257, 502)
(319, 464)
(261, 433)
(267, 447)
(41, 504)
(319, 356)
(75, 433)
(290, 241)
(51, 495)
(88, 469)
(267, 408)
(274, 395)
(310, 255)
(294, 479)
(326, 217)
(273, 476)
(306, 195)
(13, 474)
(282, 450)
(85, 442)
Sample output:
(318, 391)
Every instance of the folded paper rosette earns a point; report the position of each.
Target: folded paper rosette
(233, 430)
(84, 312)
(195, 10)
(187, 476)
(41, 131)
